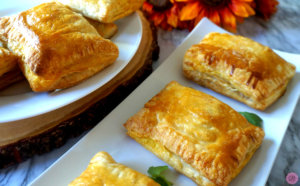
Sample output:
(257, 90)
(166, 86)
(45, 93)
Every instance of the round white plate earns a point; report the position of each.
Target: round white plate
(19, 102)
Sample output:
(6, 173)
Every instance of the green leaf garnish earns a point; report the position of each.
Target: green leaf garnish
(252, 118)
(162, 181)
(155, 174)
(156, 171)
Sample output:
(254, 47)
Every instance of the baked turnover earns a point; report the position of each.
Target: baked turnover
(58, 48)
(103, 170)
(196, 134)
(8, 61)
(238, 67)
(106, 11)
(9, 70)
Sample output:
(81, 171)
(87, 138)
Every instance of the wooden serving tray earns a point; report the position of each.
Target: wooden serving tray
(20, 140)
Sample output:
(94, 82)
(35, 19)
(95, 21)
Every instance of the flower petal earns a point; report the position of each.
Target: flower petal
(214, 17)
(189, 11)
(200, 16)
(172, 17)
(148, 7)
(158, 18)
(249, 9)
(228, 20)
(241, 9)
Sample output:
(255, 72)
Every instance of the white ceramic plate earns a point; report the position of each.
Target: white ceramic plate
(109, 135)
(19, 102)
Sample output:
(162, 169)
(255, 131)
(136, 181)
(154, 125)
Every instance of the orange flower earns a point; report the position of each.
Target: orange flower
(166, 19)
(187, 13)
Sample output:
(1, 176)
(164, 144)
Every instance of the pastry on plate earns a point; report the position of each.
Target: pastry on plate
(196, 134)
(8, 61)
(238, 67)
(58, 48)
(106, 11)
(103, 170)
(2, 40)
(106, 30)
(4, 27)
(9, 70)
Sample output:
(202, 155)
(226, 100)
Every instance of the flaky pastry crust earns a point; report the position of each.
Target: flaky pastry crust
(8, 61)
(106, 11)
(238, 67)
(58, 48)
(196, 134)
(106, 30)
(9, 70)
(103, 170)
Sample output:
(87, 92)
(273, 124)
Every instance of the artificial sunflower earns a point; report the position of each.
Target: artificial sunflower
(181, 14)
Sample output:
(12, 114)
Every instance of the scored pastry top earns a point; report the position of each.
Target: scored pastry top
(240, 66)
(204, 132)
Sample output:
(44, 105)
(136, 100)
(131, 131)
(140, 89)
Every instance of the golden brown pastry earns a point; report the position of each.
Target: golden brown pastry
(58, 47)
(238, 67)
(8, 61)
(4, 27)
(103, 170)
(106, 30)
(9, 70)
(106, 11)
(196, 134)
(2, 42)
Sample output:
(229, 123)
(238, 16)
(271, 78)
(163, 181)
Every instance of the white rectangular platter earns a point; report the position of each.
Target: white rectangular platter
(109, 135)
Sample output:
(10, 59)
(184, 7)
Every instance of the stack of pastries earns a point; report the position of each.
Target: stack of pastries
(56, 47)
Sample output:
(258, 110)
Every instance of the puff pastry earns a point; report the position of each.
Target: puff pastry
(196, 134)
(238, 67)
(106, 11)
(106, 30)
(103, 170)
(2, 43)
(8, 61)
(58, 47)
(9, 70)
(4, 27)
